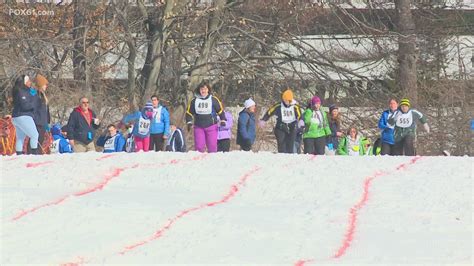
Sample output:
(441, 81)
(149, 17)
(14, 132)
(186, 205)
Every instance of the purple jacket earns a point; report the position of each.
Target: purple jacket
(225, 132)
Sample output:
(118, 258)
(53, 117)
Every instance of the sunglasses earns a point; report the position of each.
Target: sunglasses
(84, 102)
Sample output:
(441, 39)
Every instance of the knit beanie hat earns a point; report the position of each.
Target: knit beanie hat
(287, 95)
(315, 100)
(405, 101)
(148, 106)
(332, 107)
(41, 81)
(248, 103)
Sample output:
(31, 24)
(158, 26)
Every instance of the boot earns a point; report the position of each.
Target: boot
(19, 153)
(34, 151)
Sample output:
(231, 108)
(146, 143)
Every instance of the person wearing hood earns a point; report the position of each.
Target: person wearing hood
(317, 128)
(25, 99)
(288, 113)
(81, 127)
(141, 128)
(204, 109)
(59, 144)
(246, 130)
(404, 120)
(224, 132)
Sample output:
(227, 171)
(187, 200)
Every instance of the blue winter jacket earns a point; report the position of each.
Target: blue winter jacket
(59, 144)
(119, 143)
(161, 121)
(136, 118)
(387, 130)
(246, 130)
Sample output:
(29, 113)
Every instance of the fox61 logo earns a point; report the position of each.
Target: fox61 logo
(29, 12)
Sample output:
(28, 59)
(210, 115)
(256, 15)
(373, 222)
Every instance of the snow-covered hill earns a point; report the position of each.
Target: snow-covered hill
(235, 208)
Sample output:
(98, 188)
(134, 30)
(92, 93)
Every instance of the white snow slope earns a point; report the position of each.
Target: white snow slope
(235, 208)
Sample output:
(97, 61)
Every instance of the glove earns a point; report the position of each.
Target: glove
(47, 128)
(426, 127)
(262, 123)
(223, 123)
(189, 126)
(330, 146)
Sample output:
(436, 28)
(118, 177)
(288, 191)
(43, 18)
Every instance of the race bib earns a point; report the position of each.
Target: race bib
(110, 143)
(54, 147)
(288, 114)
(144, 126)
(404, 120)
(203, 106)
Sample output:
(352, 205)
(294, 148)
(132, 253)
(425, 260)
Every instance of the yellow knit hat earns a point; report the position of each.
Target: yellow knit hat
(287, 95)
(405, 101)
(41, 81)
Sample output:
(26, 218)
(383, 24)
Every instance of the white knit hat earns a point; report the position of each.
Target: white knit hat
(26, 79)
(248, 103)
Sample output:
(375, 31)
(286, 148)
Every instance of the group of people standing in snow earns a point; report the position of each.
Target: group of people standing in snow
(321, 131)
(150, 128)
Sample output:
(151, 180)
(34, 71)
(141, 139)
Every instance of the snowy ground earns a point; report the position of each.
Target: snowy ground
(235, 208)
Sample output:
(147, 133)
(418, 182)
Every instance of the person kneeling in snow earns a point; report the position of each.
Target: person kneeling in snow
(351, 144)
(177, 141)
(113, 141)
(141, 128)
(59, 144)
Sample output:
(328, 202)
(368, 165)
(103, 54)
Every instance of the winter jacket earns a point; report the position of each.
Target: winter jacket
(114, 143)
(225, 132)
(333, 139)
(79, 128)
(41, 114)
(141, 127)
(204, 110)
(246, 130)
(161, 121)
(316, 123)
(59, 143)
(24, 101)
(287, 115)
(387, 129)
(347, 146)
(177, 141)
(405, 123)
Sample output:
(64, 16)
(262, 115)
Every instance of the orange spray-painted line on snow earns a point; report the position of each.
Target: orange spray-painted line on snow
(354, 212)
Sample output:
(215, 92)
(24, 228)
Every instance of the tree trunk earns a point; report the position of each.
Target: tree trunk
(79, 32)
(158, 32)
(214, 24)
(407, 52)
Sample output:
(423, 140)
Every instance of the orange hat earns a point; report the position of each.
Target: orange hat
(41, 81)
(287, 95)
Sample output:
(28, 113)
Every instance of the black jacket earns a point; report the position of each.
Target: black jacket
(177, 143)
(205, 120)
(78, 128)
(24, 102)
(41, 113)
